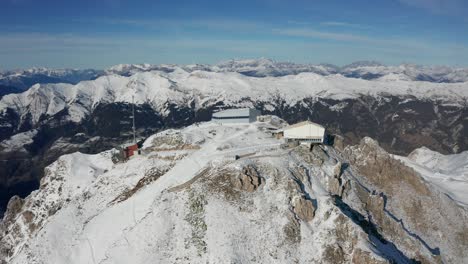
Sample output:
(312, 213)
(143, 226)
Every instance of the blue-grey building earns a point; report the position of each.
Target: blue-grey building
(240, 115)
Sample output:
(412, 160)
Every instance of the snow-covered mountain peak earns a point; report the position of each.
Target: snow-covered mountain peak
(263, 62)
(129, 67)
(392, 77)
(212, 192)
(363, 64)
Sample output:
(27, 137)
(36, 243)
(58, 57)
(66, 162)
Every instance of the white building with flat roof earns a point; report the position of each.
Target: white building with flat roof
(240, 115)
(305, 132)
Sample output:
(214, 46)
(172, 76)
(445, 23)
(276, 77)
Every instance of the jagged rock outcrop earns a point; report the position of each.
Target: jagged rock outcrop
(13, 209)
(338, 142)
(407, 209)
(248, 180)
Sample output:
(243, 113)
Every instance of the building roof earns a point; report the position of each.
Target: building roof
(239, 112)
(303, 123)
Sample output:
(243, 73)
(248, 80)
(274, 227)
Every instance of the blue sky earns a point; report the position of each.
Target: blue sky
(101, 33)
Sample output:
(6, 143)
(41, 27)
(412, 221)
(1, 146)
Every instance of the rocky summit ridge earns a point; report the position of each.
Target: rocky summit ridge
(187, 199)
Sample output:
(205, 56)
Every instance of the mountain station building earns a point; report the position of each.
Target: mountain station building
(306, 132)
(241, 115)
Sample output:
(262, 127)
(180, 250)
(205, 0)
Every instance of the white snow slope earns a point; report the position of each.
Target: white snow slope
(448, 172)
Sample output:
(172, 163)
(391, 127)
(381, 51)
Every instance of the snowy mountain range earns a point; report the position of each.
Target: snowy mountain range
(368, 70)
(49, 120)
(187, 200)
(16, 81)
(202, 88)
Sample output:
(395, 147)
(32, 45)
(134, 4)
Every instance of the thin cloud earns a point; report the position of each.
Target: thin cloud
(35, 48)
(39, 39)
(304, 32)
(446, 7)
(38, 42)
(343, 24)
(393, 43)
(212, 24)
(35, 41)
(300, 23)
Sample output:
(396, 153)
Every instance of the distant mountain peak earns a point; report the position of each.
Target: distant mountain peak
(363, 63)
(20, 80)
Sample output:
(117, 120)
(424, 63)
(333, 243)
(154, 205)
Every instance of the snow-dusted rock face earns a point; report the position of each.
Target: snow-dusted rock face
(407, 208)
(448, 172)
(186, 199)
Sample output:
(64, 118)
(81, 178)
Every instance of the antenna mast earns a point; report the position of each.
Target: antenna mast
(133, 117)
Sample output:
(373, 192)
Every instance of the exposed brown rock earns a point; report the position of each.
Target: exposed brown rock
(292, 230)
(334, 254)
(360, 257)
(303, 208)
(172, 142)
(462, 236)
(232, 183)
(344, 231)
(382, 169)
(178, 147)
(150, 176)
(338, 142)
(375, 204)
(28, 216)
(316, 156)
(337, 170)
(320, 156)
(335, 182)
(337, 185)
(248, 180)
(13, 208)
(53, 209)
(223, 183)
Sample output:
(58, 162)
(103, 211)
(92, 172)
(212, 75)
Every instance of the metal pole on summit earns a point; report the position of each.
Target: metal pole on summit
(133, 117)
